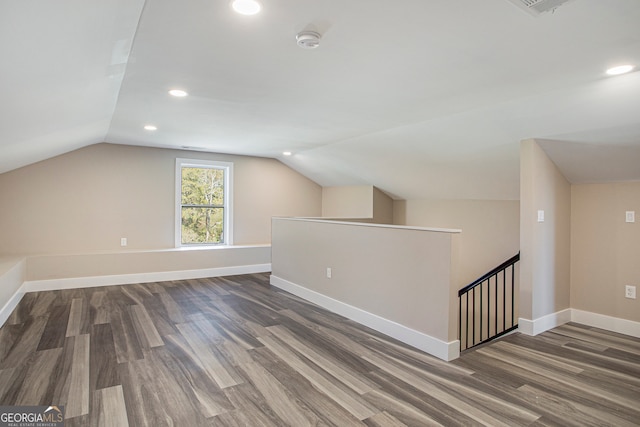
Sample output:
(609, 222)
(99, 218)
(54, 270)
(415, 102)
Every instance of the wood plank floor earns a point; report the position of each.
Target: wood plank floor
(235, 352)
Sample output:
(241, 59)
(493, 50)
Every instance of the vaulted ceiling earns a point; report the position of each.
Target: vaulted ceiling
(421, 98)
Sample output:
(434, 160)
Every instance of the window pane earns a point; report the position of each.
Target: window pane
(202, 186)
(202, 225)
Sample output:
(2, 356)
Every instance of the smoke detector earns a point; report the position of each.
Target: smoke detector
(536, 7)
(308, 39)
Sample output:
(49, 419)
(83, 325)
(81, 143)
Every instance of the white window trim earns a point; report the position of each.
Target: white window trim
(228, 199)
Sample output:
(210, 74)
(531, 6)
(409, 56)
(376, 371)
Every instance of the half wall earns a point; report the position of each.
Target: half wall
(398, 280)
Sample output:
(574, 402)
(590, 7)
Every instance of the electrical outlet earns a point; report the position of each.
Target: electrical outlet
(328, 272)
(630, 216)
(541, 216)
(630, 292)
(123, 241)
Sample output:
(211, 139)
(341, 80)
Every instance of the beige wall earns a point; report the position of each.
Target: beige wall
(359, 202)
(605, 254)
(354, 201)
(545, 246)
(401, 275)
(68, 266)
(382, 207)
(490, 229)
(88, 199)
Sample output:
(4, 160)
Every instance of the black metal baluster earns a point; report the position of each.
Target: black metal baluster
(467, 322)
(513, 303)
(495, 306)
(489, 308)
(473, 322)
(477, 310)
(481, 307)
(460, 321)
(504, 301)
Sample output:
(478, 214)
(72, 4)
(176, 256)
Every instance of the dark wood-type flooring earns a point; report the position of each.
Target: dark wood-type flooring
(235, 352)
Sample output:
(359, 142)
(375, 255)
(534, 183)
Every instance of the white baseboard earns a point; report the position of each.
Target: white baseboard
(124, 279)
(443, 350)
(609, 323)
(8, 308)
(544, 323)
(614, 324)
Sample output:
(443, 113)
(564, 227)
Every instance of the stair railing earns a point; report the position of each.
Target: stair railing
(488, 305)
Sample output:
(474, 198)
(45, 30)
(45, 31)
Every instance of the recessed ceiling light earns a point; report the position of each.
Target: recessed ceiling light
(150, 127)
(621, 69)
(246, 7)
(287, 153)
(178, 92)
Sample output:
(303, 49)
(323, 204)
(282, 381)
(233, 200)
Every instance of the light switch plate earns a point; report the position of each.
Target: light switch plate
(541, 216)
(630, 216)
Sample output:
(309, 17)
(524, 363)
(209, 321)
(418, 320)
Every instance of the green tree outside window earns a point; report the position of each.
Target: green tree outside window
(203, 207)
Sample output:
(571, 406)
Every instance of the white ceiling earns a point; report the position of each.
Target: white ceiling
(419, 98)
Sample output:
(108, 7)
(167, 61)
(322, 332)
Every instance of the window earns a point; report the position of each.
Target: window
(203, 202)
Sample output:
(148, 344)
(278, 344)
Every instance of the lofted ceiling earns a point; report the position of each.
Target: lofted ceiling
(421, 98)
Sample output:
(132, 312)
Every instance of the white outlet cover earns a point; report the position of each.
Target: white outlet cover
(630, 216)
(540, 216)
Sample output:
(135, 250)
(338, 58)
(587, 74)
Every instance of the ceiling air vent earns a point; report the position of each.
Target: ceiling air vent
(536, 7)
